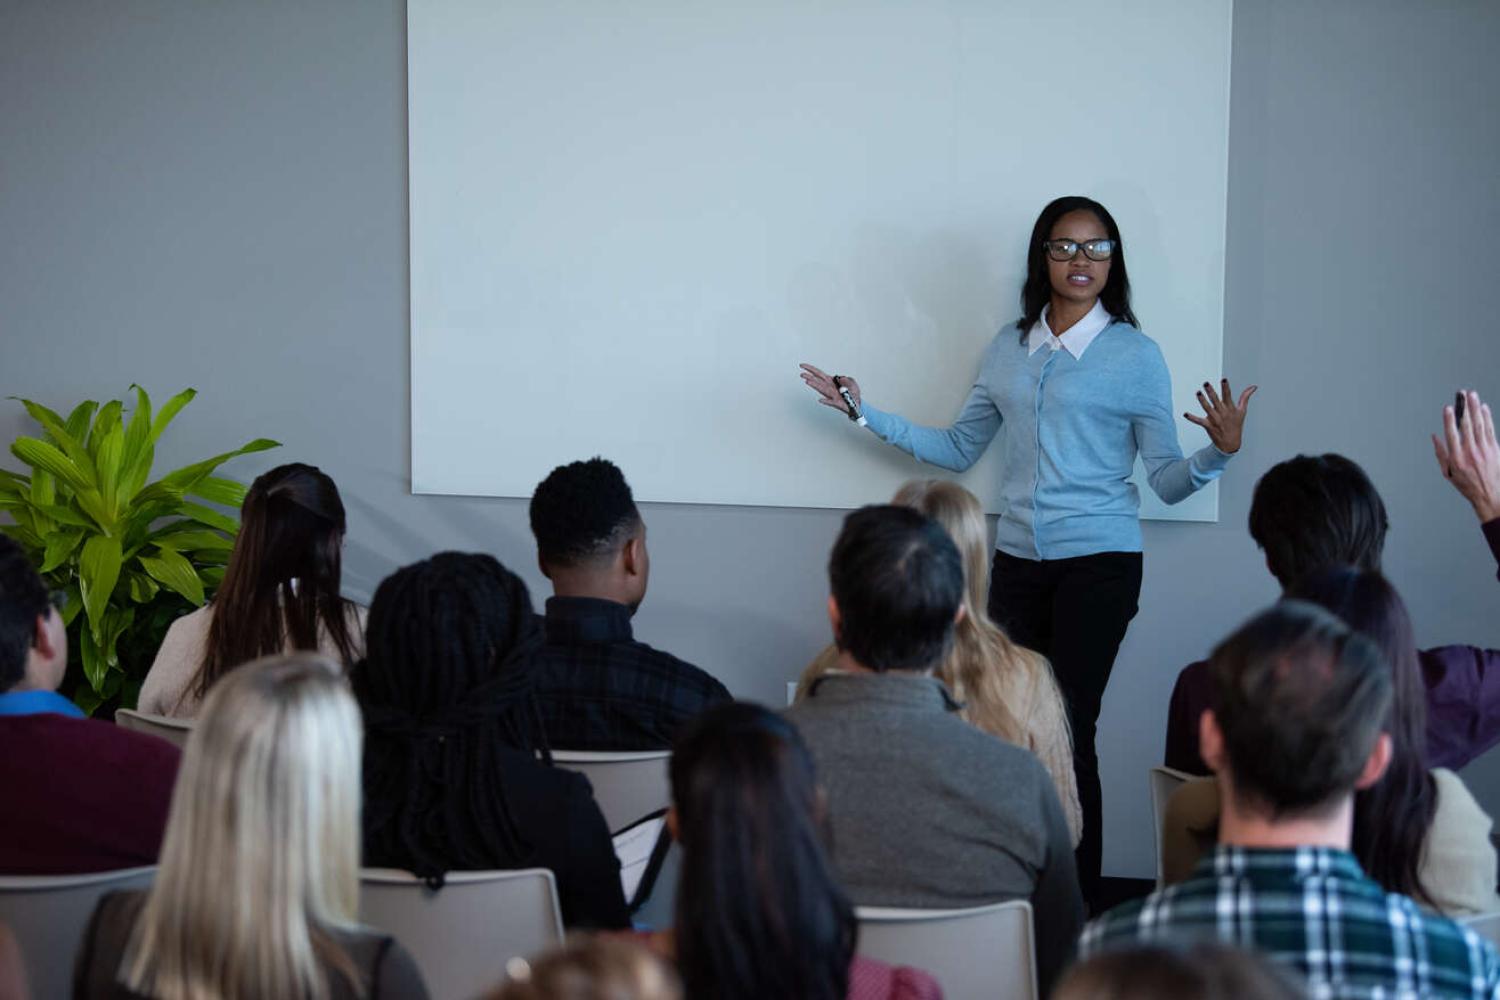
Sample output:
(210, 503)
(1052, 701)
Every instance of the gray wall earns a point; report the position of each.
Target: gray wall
(214, 194)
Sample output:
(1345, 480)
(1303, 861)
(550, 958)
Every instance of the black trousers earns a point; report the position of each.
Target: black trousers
(1075, 612)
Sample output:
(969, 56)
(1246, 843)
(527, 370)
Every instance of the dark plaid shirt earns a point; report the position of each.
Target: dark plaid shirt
(599, 689)
(1314, 910)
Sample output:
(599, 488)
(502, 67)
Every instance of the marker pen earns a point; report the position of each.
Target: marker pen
(854, 414)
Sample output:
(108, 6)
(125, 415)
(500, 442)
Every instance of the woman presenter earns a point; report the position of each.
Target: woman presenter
(1080, 391)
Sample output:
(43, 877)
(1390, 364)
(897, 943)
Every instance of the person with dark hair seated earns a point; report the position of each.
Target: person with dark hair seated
(1294, 728)
(927, 811)
(1204, 971)
(759, 910)
(597, 687)
(81, 795)
(451, 772)
(1312, 512)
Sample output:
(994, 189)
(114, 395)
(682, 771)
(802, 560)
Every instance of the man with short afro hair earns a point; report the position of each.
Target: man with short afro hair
(596, 686)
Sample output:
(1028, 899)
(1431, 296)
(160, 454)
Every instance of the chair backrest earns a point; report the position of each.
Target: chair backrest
(1486, 925)
(49, 914)
(172, 730)
(627, 786)
(463, 934)
(983, 951)
(1164, 781)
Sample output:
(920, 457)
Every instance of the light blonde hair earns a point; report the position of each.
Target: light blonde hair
(592, 967)
(984, 668)
(261, 855)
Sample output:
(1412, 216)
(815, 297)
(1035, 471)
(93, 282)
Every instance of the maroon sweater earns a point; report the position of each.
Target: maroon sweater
(81, 795)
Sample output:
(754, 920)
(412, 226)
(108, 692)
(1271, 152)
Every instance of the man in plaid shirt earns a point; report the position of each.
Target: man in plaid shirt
(1294, 729)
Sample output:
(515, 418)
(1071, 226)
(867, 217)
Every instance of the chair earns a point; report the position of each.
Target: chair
(983, 951)
(172, 730)
(627, 785)
(463, 934)
(1164, 781)
(1486, 925)
(49, 914)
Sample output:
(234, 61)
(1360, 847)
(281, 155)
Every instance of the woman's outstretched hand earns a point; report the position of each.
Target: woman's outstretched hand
(1469, 455)
(1223, 418)
(828, 393)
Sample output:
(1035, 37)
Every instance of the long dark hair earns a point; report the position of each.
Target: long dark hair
(759, 912)
(281, 587)
(1391, 817)
(1037, 291)
(445, 688)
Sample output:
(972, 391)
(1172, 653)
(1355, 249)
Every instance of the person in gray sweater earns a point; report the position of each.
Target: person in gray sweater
(927, 811)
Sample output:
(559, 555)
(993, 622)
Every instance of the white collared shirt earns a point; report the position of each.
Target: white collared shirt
(1076, 339)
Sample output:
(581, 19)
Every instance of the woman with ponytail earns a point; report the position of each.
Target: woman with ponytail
(457, 773)
(280, 594)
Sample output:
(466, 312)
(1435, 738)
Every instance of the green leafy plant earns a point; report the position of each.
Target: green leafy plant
(129, 556)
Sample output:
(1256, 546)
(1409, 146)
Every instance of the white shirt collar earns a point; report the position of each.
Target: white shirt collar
(1076, 339)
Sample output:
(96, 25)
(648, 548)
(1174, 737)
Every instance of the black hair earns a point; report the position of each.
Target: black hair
(1037, 292)
(581, 512)
(445, 687)
(23, 599)
(281, 587)
(1301, 700)
(1313, 511)
(1392, 816)
(759, 910)
(898, 581)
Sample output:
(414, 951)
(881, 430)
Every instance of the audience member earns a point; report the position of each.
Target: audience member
(1204, 971)
(759, 910)
(1293, 729)
(280, 593)
(1417, 832)
(259, 879)
(927, 810)
(1004, 689)
(592, 967)
(596, 686)
(452, 779)
(110, 807)
(1309, 513)
(12, 968)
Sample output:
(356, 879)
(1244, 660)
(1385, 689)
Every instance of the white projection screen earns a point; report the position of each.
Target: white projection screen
(631, 221)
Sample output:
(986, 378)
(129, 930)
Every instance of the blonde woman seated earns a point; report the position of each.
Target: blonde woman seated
(280, 594)
(1005, 689)
(259, 878)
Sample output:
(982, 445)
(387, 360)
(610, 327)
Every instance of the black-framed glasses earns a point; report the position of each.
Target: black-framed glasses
(1067, 249)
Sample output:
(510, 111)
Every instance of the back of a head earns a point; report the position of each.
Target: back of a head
(281, 587)
(961, 515)
(1315, 511)
(23, 599)
(759, 910)
(898, 581)
(582, 513)
(1301, 700)
(261, 854)
(1197, 972)
(592, 967)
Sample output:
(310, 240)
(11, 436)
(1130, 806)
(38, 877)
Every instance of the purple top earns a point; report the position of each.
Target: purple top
(1463, 700)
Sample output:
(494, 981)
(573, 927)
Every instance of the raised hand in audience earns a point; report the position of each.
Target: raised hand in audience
(1469, 456)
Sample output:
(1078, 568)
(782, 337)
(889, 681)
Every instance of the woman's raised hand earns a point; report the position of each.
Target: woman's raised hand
(828, 393)
(1223, 418)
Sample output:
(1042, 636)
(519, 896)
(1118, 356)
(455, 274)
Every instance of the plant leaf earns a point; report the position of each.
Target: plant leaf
(66, 515)
(142, 587)
(210, 517)
(78, 421)
(72, 604)
(217, 489)
(186, 536)
(57, 431)
(139, 453)
(107, 419)
(98, 572)
(45, 457)
(87, 699)
(171, 409)
(110, 456)
(212, 576)
(60, 545)
(174, 571)
(188, 477)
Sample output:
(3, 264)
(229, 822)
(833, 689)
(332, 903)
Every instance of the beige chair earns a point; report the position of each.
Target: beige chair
(49, 914)
(1164, 781)
(627, 786)
(172, 730)
(1486, 925)
(463, 934)
(983, 951)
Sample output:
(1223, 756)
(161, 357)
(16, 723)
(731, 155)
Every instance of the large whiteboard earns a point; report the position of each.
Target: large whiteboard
(630, 222)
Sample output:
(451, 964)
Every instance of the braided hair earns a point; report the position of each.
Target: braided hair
(446, 690)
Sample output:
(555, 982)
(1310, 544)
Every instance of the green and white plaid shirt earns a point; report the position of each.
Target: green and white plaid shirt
(1314, 910)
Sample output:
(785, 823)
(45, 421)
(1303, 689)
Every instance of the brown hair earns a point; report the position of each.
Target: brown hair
(591, 967)
(1201, 972)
